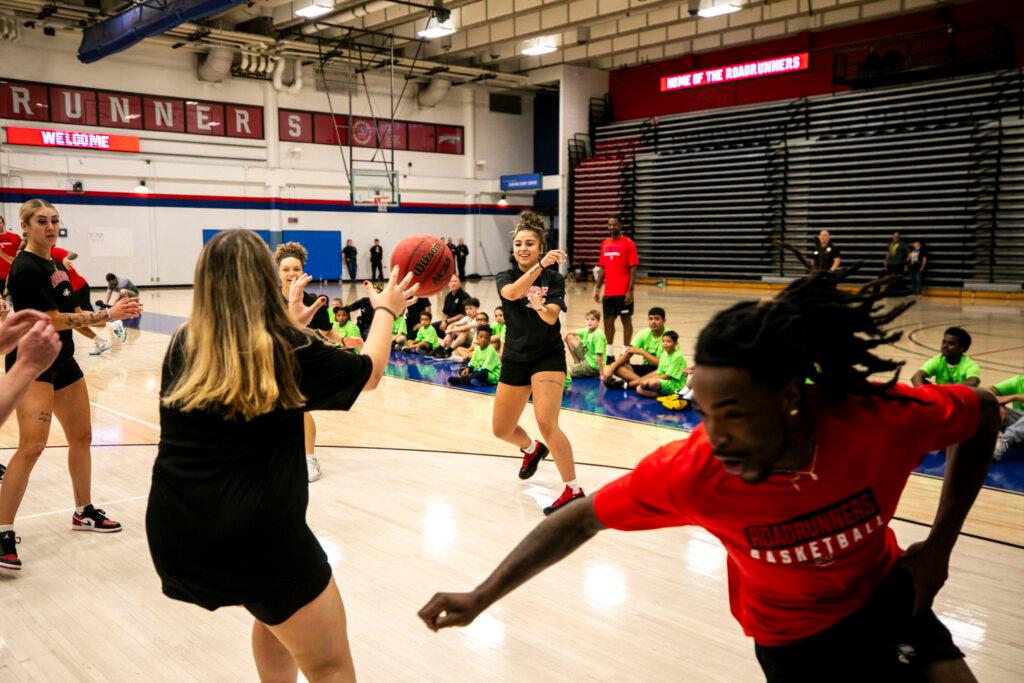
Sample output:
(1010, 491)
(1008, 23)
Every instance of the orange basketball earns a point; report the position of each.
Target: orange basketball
(429, 260)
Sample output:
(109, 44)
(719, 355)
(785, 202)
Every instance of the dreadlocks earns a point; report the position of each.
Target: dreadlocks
(810, 330)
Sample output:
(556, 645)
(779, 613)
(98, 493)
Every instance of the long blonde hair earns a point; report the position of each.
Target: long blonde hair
(25, 213)
(239, 343)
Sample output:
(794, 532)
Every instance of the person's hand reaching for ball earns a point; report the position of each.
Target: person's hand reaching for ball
(396, 295)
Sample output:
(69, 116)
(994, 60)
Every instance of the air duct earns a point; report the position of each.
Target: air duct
(432, 94)
(216, 65)
(296, 87)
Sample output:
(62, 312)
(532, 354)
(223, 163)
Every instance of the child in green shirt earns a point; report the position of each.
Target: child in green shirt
(399, 333)
(1009, 391)
(498, 329)
(587, 347)
(670, 376)
(426, 337)
(484, 366)
(951, 366)
(645, 347)
(344, 330)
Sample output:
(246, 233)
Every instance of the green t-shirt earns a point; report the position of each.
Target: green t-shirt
(486, 359)
(399, 327)
(594, 345)
(1011, 386)
(498, 332)
(349, 329)
(428, 334)
(672, 364)
(945, 373)
(645, 339)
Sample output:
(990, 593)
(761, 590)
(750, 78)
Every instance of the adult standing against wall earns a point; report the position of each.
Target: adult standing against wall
(896, 256)
(617, 273)
(917, 260)
(349, 254)
(9, 243)
(826, 253)
(377, 262)
(461, 252)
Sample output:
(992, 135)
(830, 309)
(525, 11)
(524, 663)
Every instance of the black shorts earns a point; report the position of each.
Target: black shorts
(519, 373)
(881, 641)
(615, 306)
(643, 369)
(82, 299)
(281, 607)
(63, 373)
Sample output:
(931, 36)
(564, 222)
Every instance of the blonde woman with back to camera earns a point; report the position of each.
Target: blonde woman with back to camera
(227, 509)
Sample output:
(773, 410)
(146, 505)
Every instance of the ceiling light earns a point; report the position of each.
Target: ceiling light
(717, 10)
(311, 9)
(539, 46)
(437, 29)
(141, 187)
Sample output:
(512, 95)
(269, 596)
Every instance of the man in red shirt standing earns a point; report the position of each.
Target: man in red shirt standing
(617, 272)
(9, 243)
(799, 482)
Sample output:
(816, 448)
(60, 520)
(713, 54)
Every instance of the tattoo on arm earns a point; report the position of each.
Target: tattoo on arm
(85, 319)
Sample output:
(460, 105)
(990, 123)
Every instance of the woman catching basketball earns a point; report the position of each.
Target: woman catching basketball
(39, 283)
(290, 258)
(226, 520)
(533, 359)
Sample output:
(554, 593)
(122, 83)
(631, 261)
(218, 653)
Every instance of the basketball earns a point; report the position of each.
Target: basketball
(429, 260)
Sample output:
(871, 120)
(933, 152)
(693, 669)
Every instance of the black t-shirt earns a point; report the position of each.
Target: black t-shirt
(824, 256)
(42, 284)
(412, 314)
(461, 251)
(896, 255)
(349, 252)
(454, 302)
(321, 320)
(376, 254)
(527, 336)
(227, 508)
(916, 258)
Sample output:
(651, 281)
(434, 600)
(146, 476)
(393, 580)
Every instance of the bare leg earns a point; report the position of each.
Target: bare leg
(609, 329)
(627, 328)
(274, 663)
(35, 412)
(317, 638)
(547, 402)
(509, 402)
(612, 369)
(71, 408)
(573, 343)
(309, 431)
(86, 332)
(626, 372)
(649, 389)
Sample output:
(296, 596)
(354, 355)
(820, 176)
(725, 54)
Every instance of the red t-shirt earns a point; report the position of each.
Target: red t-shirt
(617, 257)
(799, 560)
(9, 243)
(77, 281)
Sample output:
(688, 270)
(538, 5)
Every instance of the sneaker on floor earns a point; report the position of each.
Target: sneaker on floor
(1002, 445)
(567, 497)
(99, 347)
(313, 468)
(120, 332)
(94, 519)
(616, 383)
(531, 460)
(9, 551)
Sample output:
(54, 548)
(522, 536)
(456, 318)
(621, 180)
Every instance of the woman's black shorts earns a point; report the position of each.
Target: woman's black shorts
(519, 373)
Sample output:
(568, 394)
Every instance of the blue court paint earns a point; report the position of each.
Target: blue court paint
(590, 396)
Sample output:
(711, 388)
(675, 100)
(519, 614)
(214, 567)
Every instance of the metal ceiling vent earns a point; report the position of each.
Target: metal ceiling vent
(215, 66)
(431, 94)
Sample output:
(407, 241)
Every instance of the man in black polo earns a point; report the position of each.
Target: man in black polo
(825, 254)
(461, 252)
(454, 306)
(377, 262)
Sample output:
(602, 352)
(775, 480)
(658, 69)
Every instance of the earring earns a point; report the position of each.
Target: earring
(794, 412)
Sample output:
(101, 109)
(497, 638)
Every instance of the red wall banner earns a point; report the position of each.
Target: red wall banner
(104, 142)
(737, 72)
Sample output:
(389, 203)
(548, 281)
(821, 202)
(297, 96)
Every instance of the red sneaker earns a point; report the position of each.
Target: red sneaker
(94, 519)
(567, 497)
(9, 551)
(531, 460)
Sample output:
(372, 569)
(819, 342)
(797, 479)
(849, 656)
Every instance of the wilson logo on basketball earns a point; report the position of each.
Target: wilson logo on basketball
(421, 265)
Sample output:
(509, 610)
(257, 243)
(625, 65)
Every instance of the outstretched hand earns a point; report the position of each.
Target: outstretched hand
(298, 309)
(17, 326)
(126, 308)
(451, 609)
(396, 295)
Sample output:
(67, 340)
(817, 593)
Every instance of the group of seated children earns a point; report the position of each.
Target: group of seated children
(661, 369)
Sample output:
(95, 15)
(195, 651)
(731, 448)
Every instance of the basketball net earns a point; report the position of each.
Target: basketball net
(381, 202)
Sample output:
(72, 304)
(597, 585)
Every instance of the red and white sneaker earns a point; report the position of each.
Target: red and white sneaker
(9, 551)
(531, 460)
(94, 519)
(567, 497)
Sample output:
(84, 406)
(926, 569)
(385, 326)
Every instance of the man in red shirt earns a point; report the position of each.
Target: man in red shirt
(799, 482)
(9, 243)
(617, 272)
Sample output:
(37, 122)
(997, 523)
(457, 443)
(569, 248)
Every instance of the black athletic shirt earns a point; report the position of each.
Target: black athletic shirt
(226, 519)
(349, 252)
(825, 256)
(42, 284)
(320, 321)
(527, 336)
(454, 302)
(376, 254)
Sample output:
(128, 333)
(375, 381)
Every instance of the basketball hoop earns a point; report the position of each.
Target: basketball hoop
(381, 202)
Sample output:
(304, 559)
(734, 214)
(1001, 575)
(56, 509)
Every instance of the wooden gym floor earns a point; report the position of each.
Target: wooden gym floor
(431, 502)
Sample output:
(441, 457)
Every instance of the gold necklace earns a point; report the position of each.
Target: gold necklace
(809, 472)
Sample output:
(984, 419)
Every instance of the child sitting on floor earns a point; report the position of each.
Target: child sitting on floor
(464, 352)
(345, 328)
(484, 366)
(399, 333)
(498, 329)
(461, 332)
(587, 347)
(670, 376)
(426, 337)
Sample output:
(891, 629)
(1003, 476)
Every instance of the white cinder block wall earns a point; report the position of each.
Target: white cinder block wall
(159, 245)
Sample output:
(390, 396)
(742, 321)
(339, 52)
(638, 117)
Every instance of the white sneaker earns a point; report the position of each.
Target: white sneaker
(120, 332)
(100, 346)
(1002, 445)
(312, 468)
